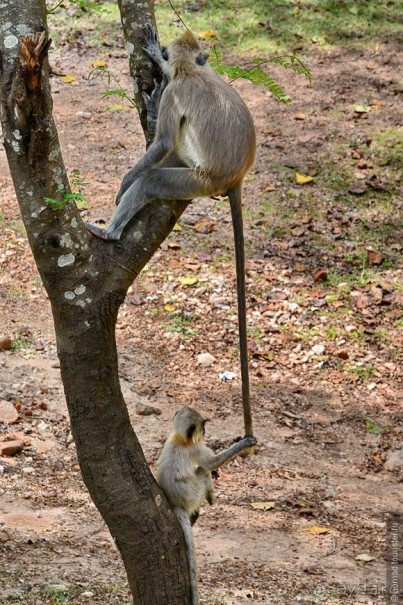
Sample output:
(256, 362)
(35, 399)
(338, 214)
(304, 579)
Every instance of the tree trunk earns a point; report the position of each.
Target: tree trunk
(86, 280)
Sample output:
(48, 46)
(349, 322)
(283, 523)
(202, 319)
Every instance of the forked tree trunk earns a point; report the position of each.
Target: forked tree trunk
(86, 280)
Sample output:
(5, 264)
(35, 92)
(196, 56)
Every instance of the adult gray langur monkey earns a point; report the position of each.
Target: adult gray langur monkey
(205, 125)
(184, 474)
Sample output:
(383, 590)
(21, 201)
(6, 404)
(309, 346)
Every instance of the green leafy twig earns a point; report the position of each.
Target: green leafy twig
(257, 76)
(76, 196)
(119, 91)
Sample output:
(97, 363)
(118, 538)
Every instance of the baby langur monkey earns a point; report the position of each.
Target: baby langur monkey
(184, 474)
(204, 144)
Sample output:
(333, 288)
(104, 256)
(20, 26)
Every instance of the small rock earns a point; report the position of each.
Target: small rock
(143, 409)
(376, 294)
(318, 349)
(205, 360)
(8, 413)
(10, 448)
(51, 493)
(28, 470)
(5, 343)
(358, 189)
(84, 114)
(87, 594)
(1, 469)
(4, 536)
(394, 461)
(42, 427)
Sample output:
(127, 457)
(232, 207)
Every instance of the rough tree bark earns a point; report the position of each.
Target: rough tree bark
(86, 280)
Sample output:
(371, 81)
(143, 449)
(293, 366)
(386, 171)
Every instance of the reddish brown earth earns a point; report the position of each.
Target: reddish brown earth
(325, 358)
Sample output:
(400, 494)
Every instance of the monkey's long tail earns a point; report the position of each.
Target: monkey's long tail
(184, 521)
(235, 198)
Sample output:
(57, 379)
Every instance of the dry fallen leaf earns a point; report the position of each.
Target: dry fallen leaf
(188, 281)
(68, 78)
(205, 227)
(362, 108)
(303, 179)
(318, 529)
(169, 308)
(206, 35)
(374, 258)
(320, 275)
(177, 228)
(364, 558)
(263, 505)
(97, 64)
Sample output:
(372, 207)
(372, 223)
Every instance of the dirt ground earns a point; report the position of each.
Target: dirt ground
(324, 309)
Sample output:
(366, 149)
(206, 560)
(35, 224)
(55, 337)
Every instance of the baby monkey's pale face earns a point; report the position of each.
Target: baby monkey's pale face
(189, 424)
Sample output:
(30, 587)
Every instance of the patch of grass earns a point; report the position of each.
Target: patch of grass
(321, 595)
(88, 26)
(254, 29)
(373, 428)
(18, 226)
(363, 371)
(17, 293)
(265, 27)
(180, 323)
(332, 332)
(20, 344)
(387, 146)
(255, 332)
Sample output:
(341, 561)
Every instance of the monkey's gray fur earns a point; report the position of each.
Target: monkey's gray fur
(184, 473)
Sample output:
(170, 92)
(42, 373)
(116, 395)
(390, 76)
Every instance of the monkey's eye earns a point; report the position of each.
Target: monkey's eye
(164, 53)
(201, 58)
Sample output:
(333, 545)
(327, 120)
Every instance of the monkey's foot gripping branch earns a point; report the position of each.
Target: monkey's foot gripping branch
(100, 233)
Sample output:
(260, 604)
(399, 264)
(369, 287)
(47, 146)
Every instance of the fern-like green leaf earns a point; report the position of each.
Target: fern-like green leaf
(256, 76)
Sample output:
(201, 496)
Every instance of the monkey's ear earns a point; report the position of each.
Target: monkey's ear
(164, 53)
(191, 429)
(201, 58)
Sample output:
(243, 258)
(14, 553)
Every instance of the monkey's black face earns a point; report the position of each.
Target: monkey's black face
(164, 53)
(201, 58)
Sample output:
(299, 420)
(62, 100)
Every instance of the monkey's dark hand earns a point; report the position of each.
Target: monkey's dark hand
(152, 47)
(248, 441)
(152, 102)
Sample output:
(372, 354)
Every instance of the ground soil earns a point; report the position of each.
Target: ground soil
(327, 431)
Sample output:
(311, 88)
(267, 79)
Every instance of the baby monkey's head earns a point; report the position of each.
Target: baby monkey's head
(184, 51)
(189, 425)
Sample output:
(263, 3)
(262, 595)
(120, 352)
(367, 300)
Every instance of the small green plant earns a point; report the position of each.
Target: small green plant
(119, 91)
(75, 195)
(21, 344)
(17, 293)
(373, 428)
(180, 323)
(362, 371)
